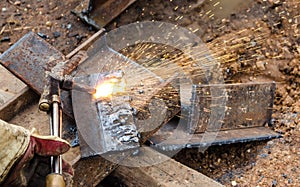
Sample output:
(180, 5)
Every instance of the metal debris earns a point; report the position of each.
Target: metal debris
(5, 39)
(98, 13)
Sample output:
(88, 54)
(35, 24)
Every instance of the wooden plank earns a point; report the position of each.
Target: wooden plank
(17, 103)
(14, 95)
(167, 173)
(11, 87)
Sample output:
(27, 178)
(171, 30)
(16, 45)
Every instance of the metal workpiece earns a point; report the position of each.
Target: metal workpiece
(221, 114)
(88, 83)
(67, 83)
(32, 58)
(118, 123)
(66, 67)
(105, 63)
(60, 76)
(83, 88)
(162, 142)
(108, 118)
(62, 71)
(28, 59)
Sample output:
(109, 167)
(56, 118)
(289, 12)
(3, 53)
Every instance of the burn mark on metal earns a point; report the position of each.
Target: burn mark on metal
(118, 124)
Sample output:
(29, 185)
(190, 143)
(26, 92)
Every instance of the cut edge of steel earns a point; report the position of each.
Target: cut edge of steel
(221, 138)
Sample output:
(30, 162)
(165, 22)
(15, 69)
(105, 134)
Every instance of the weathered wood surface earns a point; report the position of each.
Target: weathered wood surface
(14, 94)
(167, 173)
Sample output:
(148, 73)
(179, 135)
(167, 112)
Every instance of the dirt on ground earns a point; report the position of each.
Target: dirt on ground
(257, 41)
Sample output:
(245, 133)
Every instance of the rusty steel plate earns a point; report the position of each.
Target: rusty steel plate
(29, 58)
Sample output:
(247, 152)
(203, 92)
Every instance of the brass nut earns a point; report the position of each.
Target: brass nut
(44, 106)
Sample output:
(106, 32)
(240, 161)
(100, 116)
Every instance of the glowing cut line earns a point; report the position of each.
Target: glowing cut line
(109, 87)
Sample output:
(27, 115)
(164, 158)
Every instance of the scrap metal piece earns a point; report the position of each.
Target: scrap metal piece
(99, 13)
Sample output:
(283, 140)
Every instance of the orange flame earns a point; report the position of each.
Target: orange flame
(109, 87)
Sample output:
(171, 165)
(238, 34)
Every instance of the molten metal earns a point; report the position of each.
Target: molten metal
(109, 87)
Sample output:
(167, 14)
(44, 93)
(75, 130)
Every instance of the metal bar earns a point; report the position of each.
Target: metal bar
(56, 130)
(221, 138)
(85, 43)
